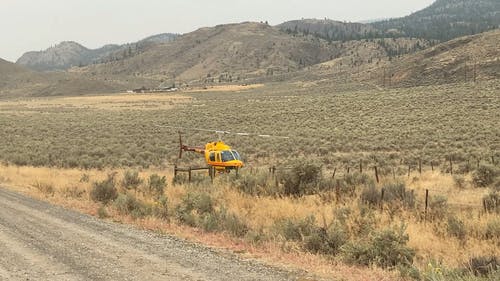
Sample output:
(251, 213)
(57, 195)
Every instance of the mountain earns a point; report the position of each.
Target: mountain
(445, 20)
(69, 54)
(465, 59)
(329, 30)
(222, 53)
(18, 81)
(63, 56)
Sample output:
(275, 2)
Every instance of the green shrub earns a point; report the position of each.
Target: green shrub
(484, 266)
(438, 207)
(192, 206)
(477, 269)
(326, 241)
(209, 222)
(157, 184)
(456, 228)
(160, 209)
(45, 188)
(232, 223)
(357, 179)
(203, 204)
(125, 204)
(185, 216)
(256, 185)
(302, 179)
(128, 204)
(296, 230)
(370, 195)
(184, 213)
(496, 184)
(386, 248)
(131, 180)
(104, 191)
(364, 223)
(493, 229)
(342, 214)
(491, 202)
(484, 175)
(396, 193)
(85, 178)
(460, 182)
(102, 213)
(73, 192)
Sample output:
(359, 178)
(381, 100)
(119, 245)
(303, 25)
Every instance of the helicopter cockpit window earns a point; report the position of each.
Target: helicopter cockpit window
(212, 156)
(236, 155)
(227, 156)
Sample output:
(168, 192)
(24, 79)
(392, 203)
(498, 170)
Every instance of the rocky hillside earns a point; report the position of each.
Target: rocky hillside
(225, 53)
(465, 59)
(63, 56)
(70, 54)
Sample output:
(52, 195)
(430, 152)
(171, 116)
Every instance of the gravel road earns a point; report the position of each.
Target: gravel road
(39, 241)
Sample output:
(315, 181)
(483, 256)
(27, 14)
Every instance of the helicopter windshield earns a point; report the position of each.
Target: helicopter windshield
(236, 154)
(230, 155)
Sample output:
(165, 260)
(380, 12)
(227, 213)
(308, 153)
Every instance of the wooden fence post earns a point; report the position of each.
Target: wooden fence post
(189, 174)
(420, 166)
(361, 166)
(334, 171)
(409, 170)
(376, 174)
(432, 166)
(382, 200)
(337, 191)
(426, 203)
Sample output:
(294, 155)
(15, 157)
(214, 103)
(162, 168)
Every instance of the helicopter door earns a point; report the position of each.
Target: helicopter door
(212, 156)
(217, 157)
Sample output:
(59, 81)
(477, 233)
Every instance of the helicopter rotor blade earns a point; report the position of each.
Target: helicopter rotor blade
(221, 132)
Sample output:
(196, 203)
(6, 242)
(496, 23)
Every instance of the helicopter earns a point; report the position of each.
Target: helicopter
(218, 155)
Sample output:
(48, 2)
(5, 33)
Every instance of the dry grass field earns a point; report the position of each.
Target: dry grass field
(318, 211)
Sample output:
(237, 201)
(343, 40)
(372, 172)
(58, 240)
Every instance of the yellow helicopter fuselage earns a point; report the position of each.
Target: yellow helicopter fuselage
(219, 155)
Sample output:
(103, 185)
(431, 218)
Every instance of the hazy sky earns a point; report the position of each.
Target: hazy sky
(33, 25)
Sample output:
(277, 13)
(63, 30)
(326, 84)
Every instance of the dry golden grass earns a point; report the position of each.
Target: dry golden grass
(263, 212)
(24, 179)
(105, 102)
